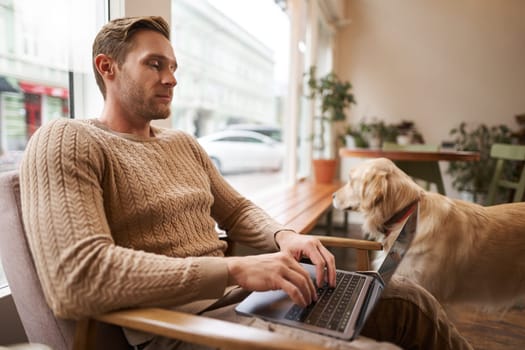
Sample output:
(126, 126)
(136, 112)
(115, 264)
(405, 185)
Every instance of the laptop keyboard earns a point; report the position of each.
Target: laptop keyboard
(333, 307)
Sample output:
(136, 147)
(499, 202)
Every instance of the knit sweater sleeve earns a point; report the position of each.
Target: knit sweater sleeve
(243, 221)
(81, 269)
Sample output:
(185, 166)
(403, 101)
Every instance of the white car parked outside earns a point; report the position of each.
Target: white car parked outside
(242, 151)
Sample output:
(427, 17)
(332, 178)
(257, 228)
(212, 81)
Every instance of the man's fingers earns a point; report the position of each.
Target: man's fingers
(271, 272)
(295, 293)
(330, 265)
(320, 272)
(300, 278)
(324, 263)
(303, 245)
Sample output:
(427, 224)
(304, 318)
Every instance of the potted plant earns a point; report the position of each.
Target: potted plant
(353, 138)
(374, 132)
(335, 97)
(475, 177)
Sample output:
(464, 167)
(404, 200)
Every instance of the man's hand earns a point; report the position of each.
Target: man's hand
(299, 246)
(272, 272)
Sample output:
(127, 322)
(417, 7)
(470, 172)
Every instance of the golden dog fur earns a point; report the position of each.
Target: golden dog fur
(462, 252)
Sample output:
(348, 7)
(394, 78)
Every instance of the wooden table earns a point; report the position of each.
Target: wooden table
(418, 164)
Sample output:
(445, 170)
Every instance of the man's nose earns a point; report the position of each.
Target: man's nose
(169, 79)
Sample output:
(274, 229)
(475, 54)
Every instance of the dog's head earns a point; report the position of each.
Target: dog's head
(378, 189)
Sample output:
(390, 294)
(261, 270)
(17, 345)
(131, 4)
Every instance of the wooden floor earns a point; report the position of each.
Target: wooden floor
(494, 331)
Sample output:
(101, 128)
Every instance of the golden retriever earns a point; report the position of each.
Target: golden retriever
(462, 252)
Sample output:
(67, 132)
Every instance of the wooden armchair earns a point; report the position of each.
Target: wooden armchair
(100, 332)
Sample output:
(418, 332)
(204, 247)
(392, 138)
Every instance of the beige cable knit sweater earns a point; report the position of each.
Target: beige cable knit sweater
(117, 221)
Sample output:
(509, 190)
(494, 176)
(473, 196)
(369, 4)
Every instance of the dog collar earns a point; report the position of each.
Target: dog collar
(397, 217)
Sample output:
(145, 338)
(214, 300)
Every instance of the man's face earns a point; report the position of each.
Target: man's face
(146, 78)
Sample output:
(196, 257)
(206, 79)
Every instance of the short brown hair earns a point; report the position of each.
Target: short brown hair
(114, 39)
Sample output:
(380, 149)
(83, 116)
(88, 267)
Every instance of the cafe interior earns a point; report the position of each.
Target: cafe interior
(436, 86)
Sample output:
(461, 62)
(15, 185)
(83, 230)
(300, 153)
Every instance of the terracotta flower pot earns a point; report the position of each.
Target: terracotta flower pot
(324, 170)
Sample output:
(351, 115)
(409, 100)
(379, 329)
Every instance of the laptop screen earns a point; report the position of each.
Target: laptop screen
(405, 235)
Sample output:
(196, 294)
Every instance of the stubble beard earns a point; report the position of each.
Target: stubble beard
(134, 97)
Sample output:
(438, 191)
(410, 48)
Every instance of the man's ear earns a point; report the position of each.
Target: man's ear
(105, 66)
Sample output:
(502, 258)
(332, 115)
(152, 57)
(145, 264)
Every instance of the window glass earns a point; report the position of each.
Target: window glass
(233, 70)
(319, 40)
(44, 50)
(232, 74)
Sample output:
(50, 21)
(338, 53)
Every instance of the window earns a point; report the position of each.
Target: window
(316, 44)
(232, 76)
(273, 132)
(44, 51)
(233, 72)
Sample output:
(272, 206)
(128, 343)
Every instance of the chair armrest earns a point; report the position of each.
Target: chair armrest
(202, 330)
(330, 241)
(362, 246)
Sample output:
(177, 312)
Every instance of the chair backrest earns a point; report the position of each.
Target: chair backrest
(505, 153)
(40, 324)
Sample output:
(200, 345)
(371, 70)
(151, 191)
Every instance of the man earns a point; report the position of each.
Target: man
(121, 214)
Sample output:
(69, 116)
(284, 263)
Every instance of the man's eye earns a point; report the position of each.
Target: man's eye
(154, 64)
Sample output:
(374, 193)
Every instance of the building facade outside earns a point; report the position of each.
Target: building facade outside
(225, 74)
(33, 80)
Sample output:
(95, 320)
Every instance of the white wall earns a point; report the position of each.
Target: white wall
(437, 62)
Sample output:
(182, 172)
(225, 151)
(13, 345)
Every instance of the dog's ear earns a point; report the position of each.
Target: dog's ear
(375, 187)
(402, 189)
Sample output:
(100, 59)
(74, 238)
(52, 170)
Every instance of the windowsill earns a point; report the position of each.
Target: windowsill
(4, 292)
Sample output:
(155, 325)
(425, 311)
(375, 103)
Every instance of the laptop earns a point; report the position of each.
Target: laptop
(342, 311)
